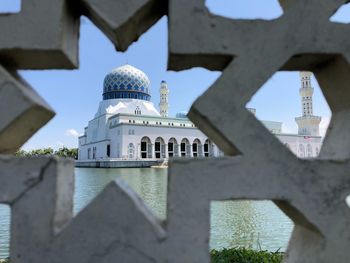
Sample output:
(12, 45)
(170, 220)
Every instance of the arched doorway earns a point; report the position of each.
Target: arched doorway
(197, 148)
(208, 148)
(146, 148)
(159, 148)
(185, 148)
(173, 148)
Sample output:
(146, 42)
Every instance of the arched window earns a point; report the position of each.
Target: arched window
(301, 151)
(137, 111)
(108, 150)
(93, 152)
(131, 151)
(317, 151)
(309, 150)
(89, 153)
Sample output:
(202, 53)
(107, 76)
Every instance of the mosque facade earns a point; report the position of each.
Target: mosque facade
(128, 130)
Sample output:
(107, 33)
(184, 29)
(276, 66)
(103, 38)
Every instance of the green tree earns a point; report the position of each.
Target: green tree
(21, 153)
(61, 152)
(45, 151)
(67, 152)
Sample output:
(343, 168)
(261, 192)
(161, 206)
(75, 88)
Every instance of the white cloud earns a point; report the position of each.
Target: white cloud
(72, 133)
(324, 125)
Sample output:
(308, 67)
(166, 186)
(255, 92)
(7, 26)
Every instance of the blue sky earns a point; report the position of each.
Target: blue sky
(75, 95)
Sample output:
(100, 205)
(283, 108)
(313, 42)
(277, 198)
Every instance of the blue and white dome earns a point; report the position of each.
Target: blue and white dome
(126, 82)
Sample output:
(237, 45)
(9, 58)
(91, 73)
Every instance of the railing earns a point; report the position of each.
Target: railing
(311, 192)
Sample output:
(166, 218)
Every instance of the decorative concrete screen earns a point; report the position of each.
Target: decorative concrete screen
(117, 226)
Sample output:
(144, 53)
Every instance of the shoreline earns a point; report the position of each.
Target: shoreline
(119, 163)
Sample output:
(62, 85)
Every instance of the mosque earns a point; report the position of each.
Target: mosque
(128, 131)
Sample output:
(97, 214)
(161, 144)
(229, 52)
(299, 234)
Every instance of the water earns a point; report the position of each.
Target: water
(254, 224)
(149, 183)
(4, 230)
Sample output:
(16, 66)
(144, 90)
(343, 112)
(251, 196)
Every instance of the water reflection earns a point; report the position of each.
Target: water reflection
(150, 184)
(4, 230)
(233, 223)
(253, 224)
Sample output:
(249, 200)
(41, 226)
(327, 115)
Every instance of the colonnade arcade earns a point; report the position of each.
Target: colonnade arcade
(160, 149)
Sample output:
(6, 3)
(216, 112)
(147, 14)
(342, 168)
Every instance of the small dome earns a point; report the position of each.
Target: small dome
(126, 82)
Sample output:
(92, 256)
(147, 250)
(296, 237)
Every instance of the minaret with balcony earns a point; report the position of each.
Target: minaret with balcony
(164, 99)
(308, 124)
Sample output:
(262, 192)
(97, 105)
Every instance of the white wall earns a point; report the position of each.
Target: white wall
(294, 142)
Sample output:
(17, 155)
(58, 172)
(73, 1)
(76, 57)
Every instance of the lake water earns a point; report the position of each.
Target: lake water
(254, 224)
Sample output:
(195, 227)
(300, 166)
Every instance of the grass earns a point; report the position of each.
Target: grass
(243, 255)
(235, 255)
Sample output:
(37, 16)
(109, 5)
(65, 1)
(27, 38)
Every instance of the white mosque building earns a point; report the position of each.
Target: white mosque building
(128, 131)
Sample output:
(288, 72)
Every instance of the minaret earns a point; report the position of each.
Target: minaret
(164, 99)
(308, 124)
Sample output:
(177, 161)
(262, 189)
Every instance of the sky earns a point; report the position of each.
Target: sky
(75, 94)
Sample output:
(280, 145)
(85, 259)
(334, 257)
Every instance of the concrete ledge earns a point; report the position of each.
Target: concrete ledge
(118, 164)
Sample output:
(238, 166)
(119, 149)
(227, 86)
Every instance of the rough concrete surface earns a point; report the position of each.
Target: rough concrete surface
(124, 21)
(23, 112)
(311, 192)
(43, 35)
(117, 226)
